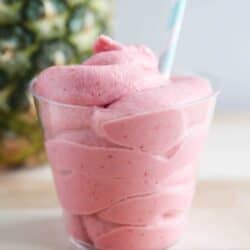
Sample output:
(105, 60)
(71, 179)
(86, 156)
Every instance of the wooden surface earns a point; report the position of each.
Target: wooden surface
(30, 218)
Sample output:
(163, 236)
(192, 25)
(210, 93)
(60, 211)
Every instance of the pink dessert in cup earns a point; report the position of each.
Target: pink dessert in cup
(123, 143)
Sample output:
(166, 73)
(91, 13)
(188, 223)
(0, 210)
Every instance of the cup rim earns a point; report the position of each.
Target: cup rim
(216, 90)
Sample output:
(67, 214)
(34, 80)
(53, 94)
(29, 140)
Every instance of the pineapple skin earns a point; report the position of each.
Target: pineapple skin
(33, 36)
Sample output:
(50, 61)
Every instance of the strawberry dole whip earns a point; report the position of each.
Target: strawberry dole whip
(124, 144)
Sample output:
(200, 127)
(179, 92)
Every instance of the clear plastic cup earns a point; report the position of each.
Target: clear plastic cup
(125, 183)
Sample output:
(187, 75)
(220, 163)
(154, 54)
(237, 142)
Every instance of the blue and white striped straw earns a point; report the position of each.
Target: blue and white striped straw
(174, 29)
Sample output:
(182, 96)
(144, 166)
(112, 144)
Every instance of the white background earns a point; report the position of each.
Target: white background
(215, 39)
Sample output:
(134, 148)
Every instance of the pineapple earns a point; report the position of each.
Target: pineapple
(35, 34)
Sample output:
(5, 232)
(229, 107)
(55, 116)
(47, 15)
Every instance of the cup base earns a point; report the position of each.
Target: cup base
(81, 245)
(85, 246)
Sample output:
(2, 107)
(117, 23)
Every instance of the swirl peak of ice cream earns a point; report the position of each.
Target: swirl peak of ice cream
(114, 71)
(124, 152)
